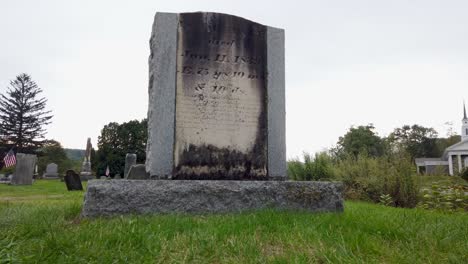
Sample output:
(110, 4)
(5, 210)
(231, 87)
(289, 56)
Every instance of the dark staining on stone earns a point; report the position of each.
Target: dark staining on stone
(150, 82)
(218, 41)
(208, 162)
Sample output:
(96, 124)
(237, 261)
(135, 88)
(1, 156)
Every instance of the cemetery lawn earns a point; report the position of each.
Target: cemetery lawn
(41, 224)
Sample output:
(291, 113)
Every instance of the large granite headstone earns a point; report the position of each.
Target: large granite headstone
(24, 170)
(73, 181)
(216, 99)
(51, 171)
(130, 160)
(216, 125)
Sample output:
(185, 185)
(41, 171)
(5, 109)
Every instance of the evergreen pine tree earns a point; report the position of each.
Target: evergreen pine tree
(23, 115)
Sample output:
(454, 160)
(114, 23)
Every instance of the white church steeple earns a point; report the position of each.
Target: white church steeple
(464, 133)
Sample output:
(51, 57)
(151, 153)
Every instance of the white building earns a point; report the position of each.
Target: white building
(455, 157)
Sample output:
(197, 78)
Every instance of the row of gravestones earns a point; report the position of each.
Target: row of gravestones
(25, 164)
(132, 171)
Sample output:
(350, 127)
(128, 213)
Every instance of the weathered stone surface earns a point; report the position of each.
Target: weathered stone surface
(220, 130)
(161, 93)
(86, 172)
(86, 168)
(137, 172)
(277, 168)
(194, 196)
(24, 170)
(130, 160)
(51, 171)
(73, 181)
(87, 176)
(217, 84)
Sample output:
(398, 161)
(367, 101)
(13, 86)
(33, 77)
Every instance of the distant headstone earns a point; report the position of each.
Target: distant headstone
(73, 181)
(4, 179)
(24, 171)
(86, 172)
(36, 174)
(137, 172)
(51, 171)
(130, 160)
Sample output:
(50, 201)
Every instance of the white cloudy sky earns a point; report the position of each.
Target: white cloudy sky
(347, 62)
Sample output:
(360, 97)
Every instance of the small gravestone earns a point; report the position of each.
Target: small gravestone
(24, 170)
(51, 171)
(137, 172)
(130, 160)
(73, 181)
(36, 174)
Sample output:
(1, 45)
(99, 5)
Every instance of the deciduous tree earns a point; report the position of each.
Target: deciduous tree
(116, 140)
(361, 139)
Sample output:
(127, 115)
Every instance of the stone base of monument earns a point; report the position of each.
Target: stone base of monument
(107, 198)
(50, 177)
(85, 176)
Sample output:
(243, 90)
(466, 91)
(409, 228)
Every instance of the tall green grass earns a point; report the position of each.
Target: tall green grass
(46, 230)
(365, 178)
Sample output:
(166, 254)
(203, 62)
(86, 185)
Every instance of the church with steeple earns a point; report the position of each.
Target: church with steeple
(464, 134)
(455, 157)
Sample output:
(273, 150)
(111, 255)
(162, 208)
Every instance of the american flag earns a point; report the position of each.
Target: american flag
(9, 159)
(107, 171)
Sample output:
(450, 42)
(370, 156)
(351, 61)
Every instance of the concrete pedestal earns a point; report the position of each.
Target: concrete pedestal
(107, 198)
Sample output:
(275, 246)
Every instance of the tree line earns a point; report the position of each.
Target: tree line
(415, 140)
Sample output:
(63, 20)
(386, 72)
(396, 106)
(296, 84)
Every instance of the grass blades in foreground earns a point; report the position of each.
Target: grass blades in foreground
(38, 228)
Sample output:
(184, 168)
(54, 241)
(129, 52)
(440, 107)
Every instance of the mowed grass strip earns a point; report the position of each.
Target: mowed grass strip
(49, 230)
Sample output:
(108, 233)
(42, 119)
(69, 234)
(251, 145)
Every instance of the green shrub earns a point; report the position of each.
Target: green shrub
(319, 167)
(446, 198)
(367, 178)
(464, 174)
(386, 199)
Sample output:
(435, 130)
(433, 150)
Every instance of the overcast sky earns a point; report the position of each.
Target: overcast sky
(348, 63)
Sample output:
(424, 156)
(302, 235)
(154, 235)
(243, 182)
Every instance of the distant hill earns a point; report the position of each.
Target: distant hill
(75, 154)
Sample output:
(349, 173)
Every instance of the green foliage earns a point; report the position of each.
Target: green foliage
(42, 225)
(443, 143)
(367, 178)
(23, 115)
(447, 198)
(416, 140)
(312, 169)
(75, 154)
(386, 199)
(7, 171)
(464, 174)
(360, 140)
(53, 152)
(115, 141)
